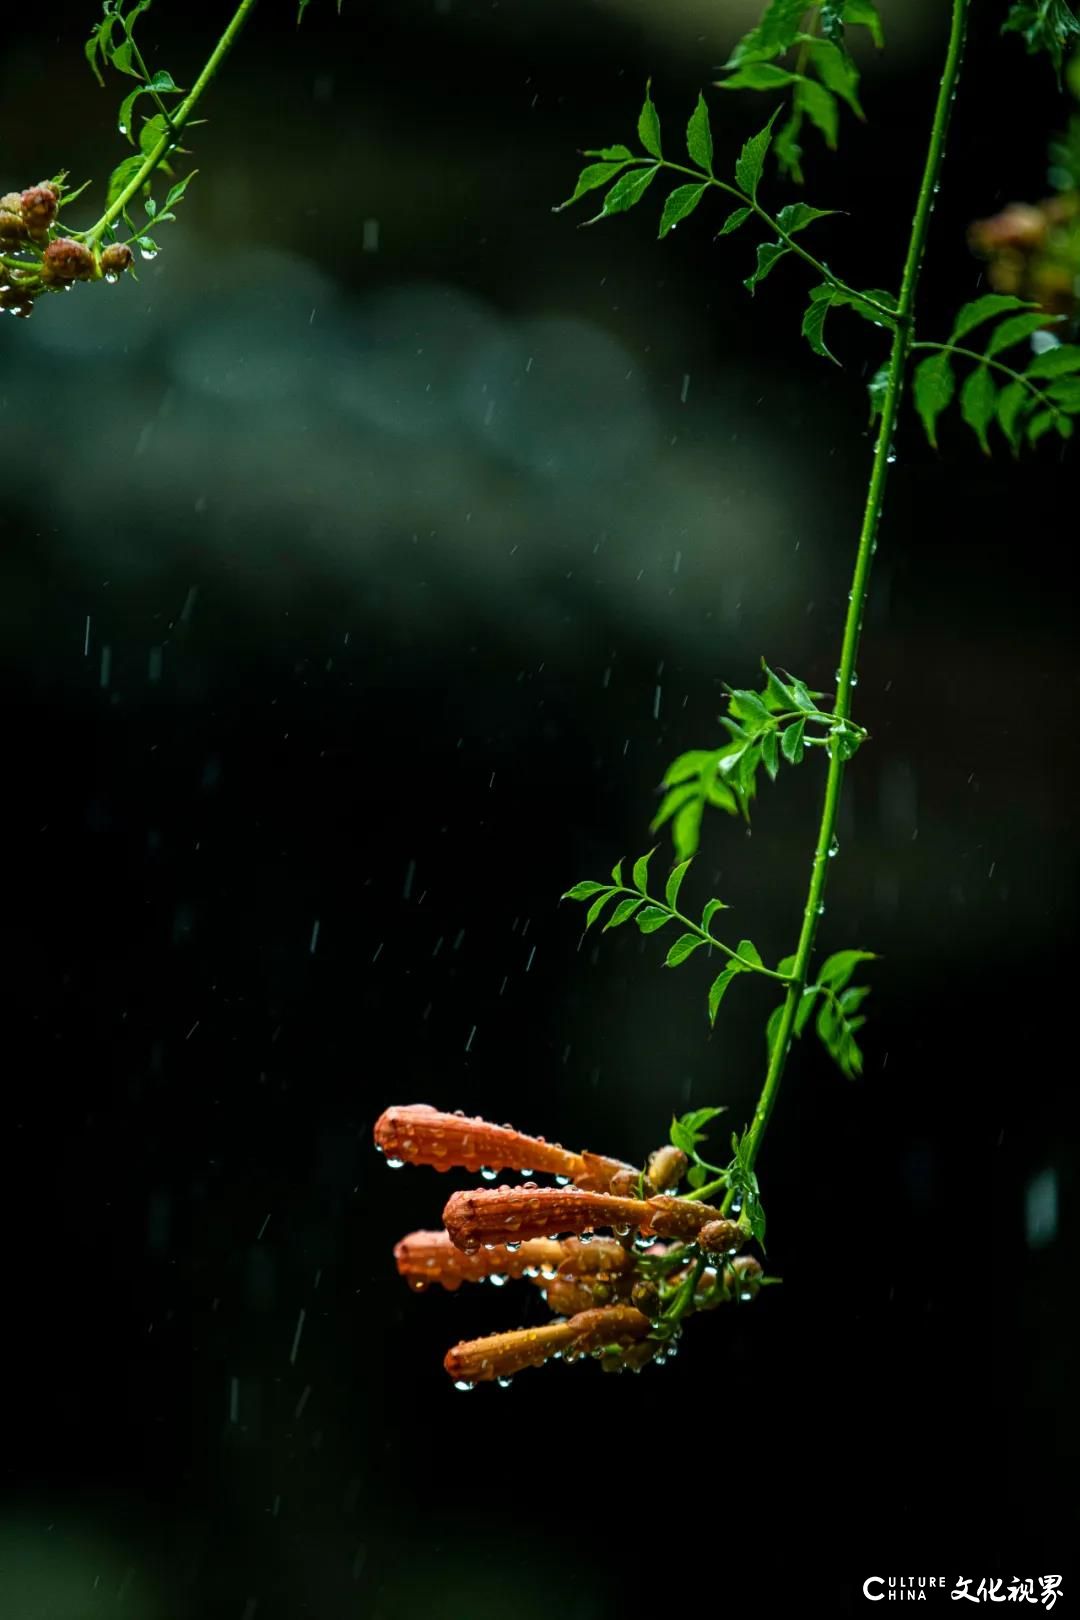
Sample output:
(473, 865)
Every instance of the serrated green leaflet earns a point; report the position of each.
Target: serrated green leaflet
(748, 169)
(699, 142)
(679, 203)
(933, 386)
(649, 125)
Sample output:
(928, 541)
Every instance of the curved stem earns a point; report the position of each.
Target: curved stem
(176, 121)
(995, 365)
(702, 933)
(875, 495)
(890, 316)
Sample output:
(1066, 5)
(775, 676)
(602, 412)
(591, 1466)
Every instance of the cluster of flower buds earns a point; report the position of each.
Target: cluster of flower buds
(35, 257)
(1033, 251)
(620, 1298)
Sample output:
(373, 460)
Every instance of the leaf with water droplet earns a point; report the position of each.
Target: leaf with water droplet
(679, 204)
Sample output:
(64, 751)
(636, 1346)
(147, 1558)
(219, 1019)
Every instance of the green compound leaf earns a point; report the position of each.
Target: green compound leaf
(813, 322)
(836, 970)
(683, 947)
(797, 216)
(758, 76)
(777, 30)
(622, 913)
(837, 1028)
(718, 989)
(711, 908)
(748, 955)
(1016, 328)
(608, 153)
(650, 918)
(791, 743)
(592, 176)
(863, 13)
(648, 127)
(584, 891)
(681, 202)
(122, 177)
(751, 163)
(981, 309)
(737, 217)
(597, 907)
(1057, 362)
(699, 141)
(933, 387)
(769, 254)
(641, 871)
(626, 192)
(1044, 25)
(1012, 401)
(835, 69)
(674, 884)
(820, 107)
(978, 402)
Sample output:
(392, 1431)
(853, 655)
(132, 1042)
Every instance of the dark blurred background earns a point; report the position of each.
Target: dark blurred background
(364, 564)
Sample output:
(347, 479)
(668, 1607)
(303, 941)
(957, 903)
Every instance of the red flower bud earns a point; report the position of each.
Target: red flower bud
(66, 260)
(39, 204)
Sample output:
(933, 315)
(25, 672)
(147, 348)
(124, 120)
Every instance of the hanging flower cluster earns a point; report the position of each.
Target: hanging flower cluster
(37, 257)
(620, 1298)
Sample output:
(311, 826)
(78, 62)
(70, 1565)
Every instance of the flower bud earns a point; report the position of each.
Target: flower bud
(667, 1166)
(646, 1297)
(39, 205)
(720, 1237)
(743, 1276)
(116, 258)
(12, 225)
(626, 1184)
(66, 260)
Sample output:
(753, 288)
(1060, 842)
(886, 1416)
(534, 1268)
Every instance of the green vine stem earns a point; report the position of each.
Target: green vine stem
(176, 121)
(898, 361)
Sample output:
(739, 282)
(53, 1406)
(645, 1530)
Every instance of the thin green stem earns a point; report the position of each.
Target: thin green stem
(890, 316)
(875, 495)
(995, 365)
(160, 151)
(153, 94)
(702, 933)
(684, 1298)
